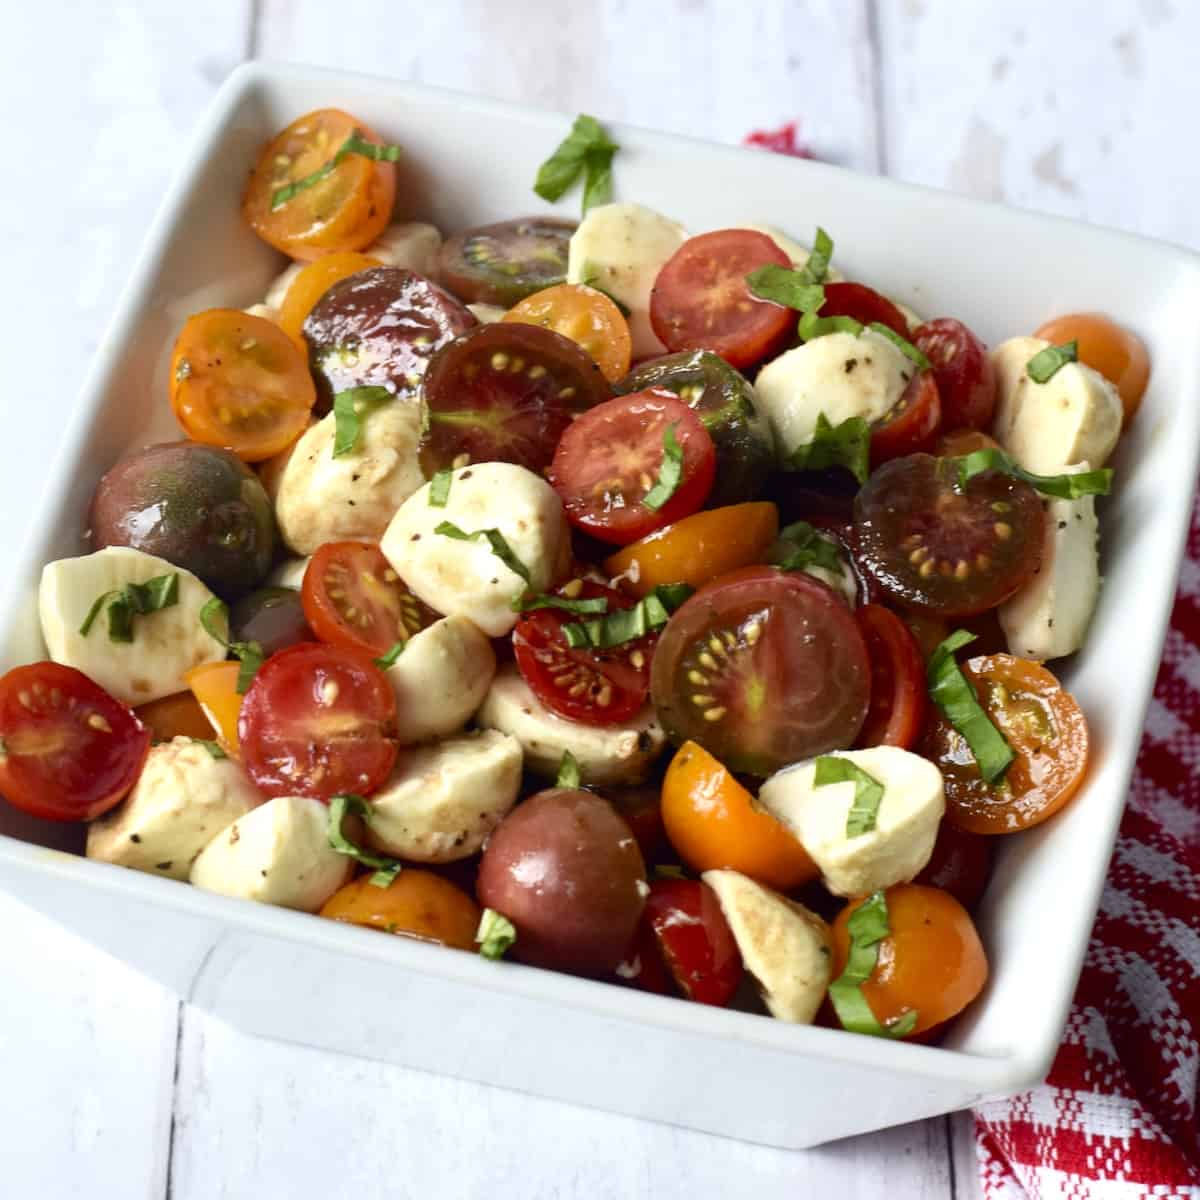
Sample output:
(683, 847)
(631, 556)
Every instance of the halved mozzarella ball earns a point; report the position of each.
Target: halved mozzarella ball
(795, 250)
(906, 822)
(620, 248)
(443, 801)
(263, 310)
(279, 853)
(165, 644)
(606, 754)
(1074, 417)
(440, 679)
(183, 798)
(319, 498)
(784, 946)
(410, 244)
(841, 375)
(487, 314)
(466, 578)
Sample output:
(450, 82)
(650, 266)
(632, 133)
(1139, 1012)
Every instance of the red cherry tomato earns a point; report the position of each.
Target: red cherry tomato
(641, 806)
(864, 304)
(68, 750)
(610, 459)
(643, 966)
(961, 864)
(599, 687)
(700, 299)
(896, 714)
(694, 939)
(317, 721)
(966, 379)
(912, 425)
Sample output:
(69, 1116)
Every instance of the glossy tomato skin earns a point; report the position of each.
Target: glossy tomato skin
(700, 300)
(70, 750)
(694, 939)
(507, 261)
(897, 711)
(609, 459)
(587, 317)
(912, 426)
(864, 304)
(318, 721)
(311, 283)
(965, 376)
(763, 669)
(961, 864)
(418, 904)
(273, 617)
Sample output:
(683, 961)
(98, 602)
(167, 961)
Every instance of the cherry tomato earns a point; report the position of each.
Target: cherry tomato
(239, 382)
(932, 962)
(416, 904)
(353, 597)
(599, 687)
(700, 300)
(962, 442)
(965, 377)
(912, 424)
(609, 460)
(318, 720)
(312, 282)
(271, 616)
(1046, 730)
(763, 669)
(68, 750)
(174, 716)
(864, 304)
(641, 806)
(346, 210)
(713, 823)
(215, 687)
(935, 545)
(896, 714)
(698, 548)
(505, 393)
(588, 317)
(694, 939)
(507, 261)
(1116, 352)
(643, 966)
(961, 864)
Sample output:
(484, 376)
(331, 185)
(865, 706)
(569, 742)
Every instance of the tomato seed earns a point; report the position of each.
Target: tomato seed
(499, 361)
(639, 660)
(714, 714)
(536, 371)
(572, 589)
(707, 660)
(982, 562)
(96, 721)
(962, 570)
(927, 568)
(1003, 530)
(697, 677)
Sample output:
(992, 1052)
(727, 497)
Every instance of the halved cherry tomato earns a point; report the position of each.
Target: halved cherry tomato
(936, 545)
(961, 864)
(416, 904)
(1045, 728)
(215, 687)
(763, 669)
(712, 822)
(864, 304)
(68, 750)
(317, 721)
(641, 806)
(175, 716)
(1116, 352)
(240, 382)
(912, 424)
(694, 939)
(599, 687)
(353, 597)
(898, 689)
(507, 261)
(609, 460)
(698, 548)
(586, 316)
(700, 300)
(965, 377)
(312, 283)
(346, 209)
(932, 962)
(643, 966)
(962, 442)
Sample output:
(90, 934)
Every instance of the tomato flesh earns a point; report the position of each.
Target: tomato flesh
(586, 316)
(694, 939)
(864, 304)
(898, 705)
(913, 423)
(965, 376)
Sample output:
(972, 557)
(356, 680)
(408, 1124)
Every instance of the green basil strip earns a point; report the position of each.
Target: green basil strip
(249, 654)
(1045, 364)
(596, 604)
(386, 869)
(354, 144)
(132, 600)
(496, 933)
(350, 409)
(1064, 487)
(950, 691)
(800, 546)
(568, 771)
(817, 266)
(214, 748)
(786, 286)
(628, 624)
(494, 538)
(902, 344)
(868, 791)
(389, 659)
(670, 473)
(868, 926)
(597, 176)
(586, 148)
(813, 326)
(439, 488)
(846, 445)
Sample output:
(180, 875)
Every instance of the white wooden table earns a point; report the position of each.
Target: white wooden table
(112, 1088)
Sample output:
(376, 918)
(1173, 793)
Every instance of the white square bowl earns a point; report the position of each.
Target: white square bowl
(291, 976)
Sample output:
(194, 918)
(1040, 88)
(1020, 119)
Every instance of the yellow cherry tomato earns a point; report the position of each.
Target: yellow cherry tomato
(215, 687)
(312, 282)
(417, 904)
(586, 316)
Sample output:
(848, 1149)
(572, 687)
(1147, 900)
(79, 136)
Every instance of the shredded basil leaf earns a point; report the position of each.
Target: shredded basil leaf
(249, 654)
(817, 266)
(1064, 487)
(568, 771)
(389, 658)
(950, 691)
(628, 624)
(589, 280)
(800, 546)
(813, 326)
(1045, 364)
(786, 286)
(846, 445)
(132, 600)
(905, 347)
(495, 539)
(496, 933)
(587, 150)
(583, 607)
(439, 488)
(214, 748)
(868, 791)
(354, 144)
(350, 409)
(386, 869)
(597, 176)
(670, 473)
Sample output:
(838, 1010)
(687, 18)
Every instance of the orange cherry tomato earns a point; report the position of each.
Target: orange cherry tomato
(312, 282)
(931, 962)
(962, 442)
(1045, 728)
(698, 548)
(215, 687)
(240, 382)
(175, 716)
(416, 904)
(346, 209)
(712, 822)
(586, 316)
(1116, 352)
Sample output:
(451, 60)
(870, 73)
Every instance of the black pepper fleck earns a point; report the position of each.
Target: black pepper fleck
(851, 363)
(136, 838)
